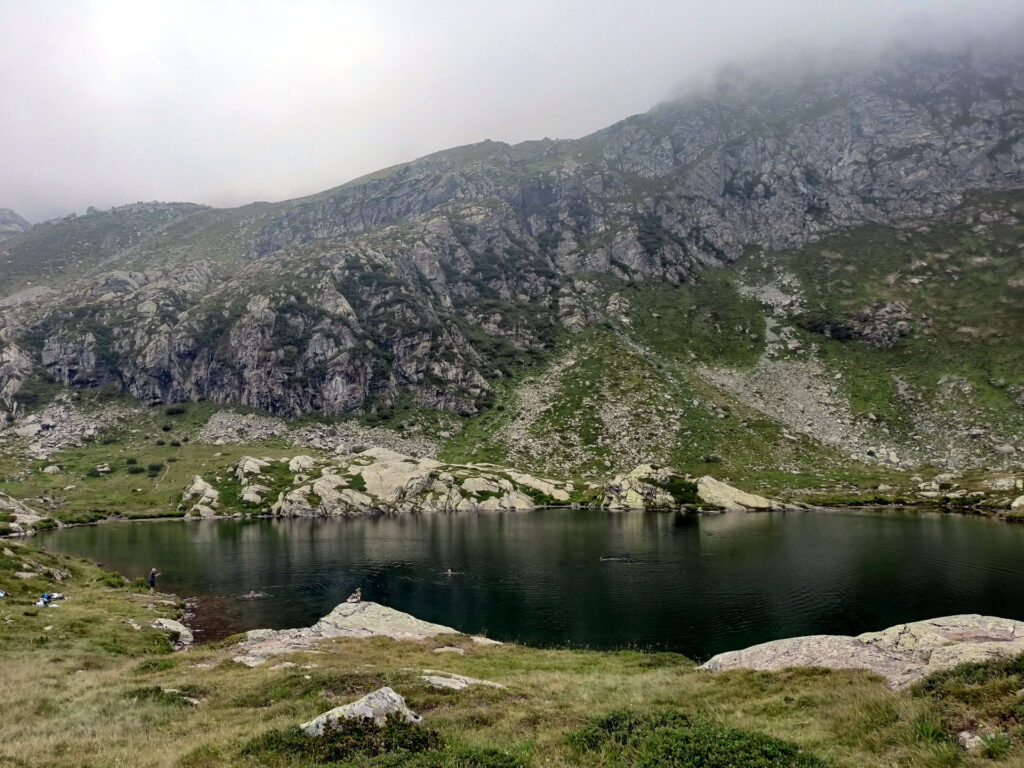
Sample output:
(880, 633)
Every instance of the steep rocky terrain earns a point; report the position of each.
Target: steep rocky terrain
(657, 291)
(11, 224)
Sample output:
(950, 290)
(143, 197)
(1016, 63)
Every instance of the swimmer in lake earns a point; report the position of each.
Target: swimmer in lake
(449, 572)
(251, 595)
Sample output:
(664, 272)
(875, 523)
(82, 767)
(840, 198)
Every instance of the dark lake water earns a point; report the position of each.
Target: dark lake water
(689, 583)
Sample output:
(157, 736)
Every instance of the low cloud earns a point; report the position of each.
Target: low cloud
(224, 103)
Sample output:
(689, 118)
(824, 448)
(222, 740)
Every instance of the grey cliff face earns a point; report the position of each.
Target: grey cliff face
(11, 224)
(431, 282)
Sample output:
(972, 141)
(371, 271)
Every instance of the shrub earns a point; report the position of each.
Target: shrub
(156, 665)
(155, 466)
(343, 740)
(161, 442)
(44, 524)
(135, 469)
(166, 427)
(671, 740)
(459, 757)
(957, 682)
(995, 745)
(176, 443)
(114, 580)
(203, 756)
(85, 517)
(715, 747)
(929, 731)
(682, 490)
(7, 517)
(174, 410)
(619, 727)
(131, 460)
(5, 529)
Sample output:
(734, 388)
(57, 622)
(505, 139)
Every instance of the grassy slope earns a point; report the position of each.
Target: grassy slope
(82, 688)
(963, 287)
(153, 492)
(650, 364)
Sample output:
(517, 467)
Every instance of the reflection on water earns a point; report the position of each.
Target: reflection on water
(689, 583)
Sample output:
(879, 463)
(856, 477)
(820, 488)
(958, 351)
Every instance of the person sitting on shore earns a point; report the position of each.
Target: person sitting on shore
(356, 597)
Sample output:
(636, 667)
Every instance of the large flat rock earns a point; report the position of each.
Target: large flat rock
(361, 619)
(902, 654)
(367, 619)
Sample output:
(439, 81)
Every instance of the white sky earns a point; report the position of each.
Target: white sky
(225, 102)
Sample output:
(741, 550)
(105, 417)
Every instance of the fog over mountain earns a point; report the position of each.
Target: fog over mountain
(110, 102)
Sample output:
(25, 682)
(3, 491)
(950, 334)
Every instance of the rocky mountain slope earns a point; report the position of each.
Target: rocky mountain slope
(766, 276)
(11, 224)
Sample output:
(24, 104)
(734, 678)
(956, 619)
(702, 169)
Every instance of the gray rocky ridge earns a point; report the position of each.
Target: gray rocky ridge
(384, 286)
(11, 224)
(377, 481)
(432, 288)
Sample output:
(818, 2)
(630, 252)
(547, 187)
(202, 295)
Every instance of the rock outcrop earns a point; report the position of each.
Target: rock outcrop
(375, 481)
(182, 635)
(11, 224)
(377, 706)
(652, 487)
(724, 496)
(61, 425)
(428, 282)
(203, 498)
(24, 515)
(901, 654)
(382, 482)
(358, 619)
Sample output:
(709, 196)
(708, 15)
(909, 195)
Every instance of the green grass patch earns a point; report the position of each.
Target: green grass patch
(672, 740)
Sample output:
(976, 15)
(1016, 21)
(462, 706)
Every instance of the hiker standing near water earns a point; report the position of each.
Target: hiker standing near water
(152, 579)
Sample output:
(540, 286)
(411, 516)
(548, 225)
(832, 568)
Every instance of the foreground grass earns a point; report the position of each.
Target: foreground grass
(84, 687)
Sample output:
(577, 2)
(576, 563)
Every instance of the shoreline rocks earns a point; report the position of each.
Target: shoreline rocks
(902, 654)
(358, 619)
(375, 481)
(652, 487)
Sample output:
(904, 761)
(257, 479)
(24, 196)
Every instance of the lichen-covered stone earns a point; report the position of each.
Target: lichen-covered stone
(377, 706)
(901, 654)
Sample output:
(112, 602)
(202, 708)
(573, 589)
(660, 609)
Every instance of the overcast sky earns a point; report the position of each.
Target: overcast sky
(103, 103)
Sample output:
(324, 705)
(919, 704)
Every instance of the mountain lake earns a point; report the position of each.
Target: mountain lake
(691, 583)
